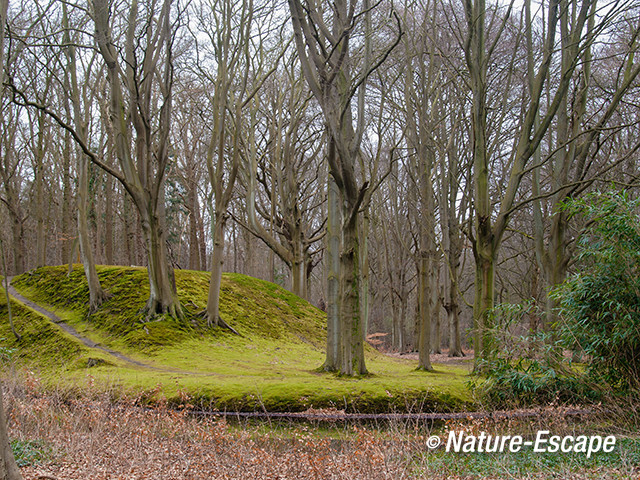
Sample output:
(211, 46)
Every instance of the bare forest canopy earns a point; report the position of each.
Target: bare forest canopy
(402, 165)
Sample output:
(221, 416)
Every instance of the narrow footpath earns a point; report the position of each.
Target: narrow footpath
(87, 341)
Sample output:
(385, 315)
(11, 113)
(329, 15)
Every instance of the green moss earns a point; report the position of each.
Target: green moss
(272, 365)
(43, 344)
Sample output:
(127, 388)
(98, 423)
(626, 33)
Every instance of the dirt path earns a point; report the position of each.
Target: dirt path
(442, 358)
(90, 343)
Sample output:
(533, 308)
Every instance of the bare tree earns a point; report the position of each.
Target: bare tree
(579, 136)
(240, 70)
(330, 71)
(480, 47)
(146, 75)
(96, 294)
(287, 170)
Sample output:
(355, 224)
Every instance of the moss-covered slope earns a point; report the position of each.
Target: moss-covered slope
(273, 364)
(252, 307)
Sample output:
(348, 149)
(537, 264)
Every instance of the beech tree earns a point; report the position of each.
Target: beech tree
(145, 74)
(579, 135)
(323, 40)
(240, 70)
(287, 170)
(75, 96)
(10, 176)
(480, 46)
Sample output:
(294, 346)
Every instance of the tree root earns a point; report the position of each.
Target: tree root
(219, 322)
(154, 308)
(103, 296)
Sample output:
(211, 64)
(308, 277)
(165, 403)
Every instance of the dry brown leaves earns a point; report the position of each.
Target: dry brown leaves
(100, 439)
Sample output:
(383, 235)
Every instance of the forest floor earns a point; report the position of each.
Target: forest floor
(94, 437)
(441, 358)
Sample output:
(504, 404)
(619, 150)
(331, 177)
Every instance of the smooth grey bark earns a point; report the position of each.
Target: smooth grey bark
(325, 57)
(144, 178)
(451, 244)
(96, 294)
(333, 271)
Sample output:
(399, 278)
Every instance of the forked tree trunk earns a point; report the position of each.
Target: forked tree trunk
(96, 293)
(163, 298)
(143, 176)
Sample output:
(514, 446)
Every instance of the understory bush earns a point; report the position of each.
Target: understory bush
(528, 368)
(598, 316)
(600, 304)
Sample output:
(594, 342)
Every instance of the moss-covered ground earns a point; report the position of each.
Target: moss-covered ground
(273, 364)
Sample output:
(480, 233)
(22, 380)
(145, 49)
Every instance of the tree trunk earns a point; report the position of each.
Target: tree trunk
(143, 176)
(333, 272)
(67, 233)
(17, 231)
(352, 324)
(396, 333)
(365, 300)
(9, 469)
(298, 277)
(96, 293)
(217, 261)
(436, 339)
(41, 257)
(201, 240)
(194, 247)
(128, 232)
(484, 300)
(162, 289)
(455, 347)
(108, 226)
(425, 311)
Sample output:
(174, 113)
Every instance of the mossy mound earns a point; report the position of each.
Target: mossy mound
(254, 308)
(272, 365)
(41, 344)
